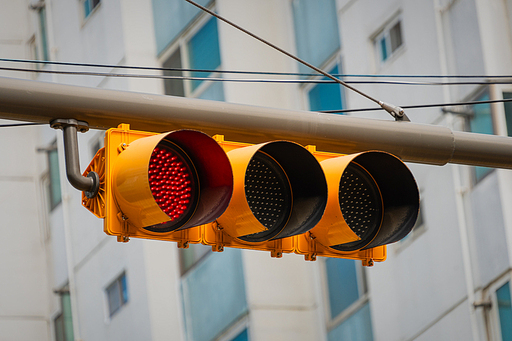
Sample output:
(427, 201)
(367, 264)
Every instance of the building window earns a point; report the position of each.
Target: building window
(503, 308)
(89, 6)
(347, 300)
(508, 112)
(53, 185)
(480, 121)
(326, 96)
(199, 50)
(243, 336)
(318, 42)
(41, 49)
(192, 255)
(316, 31)
(97, 143)
(117, 294)
(63, 323)
(389, 40)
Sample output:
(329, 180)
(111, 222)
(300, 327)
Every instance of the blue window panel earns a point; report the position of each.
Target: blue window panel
(54, 189)
(87, 8)
(358, 327)
(124, 289)
(316, 30)
(44, 34)
(214, 295)
(170, 19)
(214, 92)
(326, 96)
(341, 283)
(383, 49)
(481, 123)
(203, 50)
(243, 336)
(505, 311)
(508, 112)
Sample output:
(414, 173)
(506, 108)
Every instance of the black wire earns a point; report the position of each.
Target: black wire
(112, 66)
(242, 80)
(419, 106)
(21, 124)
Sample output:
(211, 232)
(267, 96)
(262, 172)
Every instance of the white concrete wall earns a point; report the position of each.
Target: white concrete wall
(25, 254)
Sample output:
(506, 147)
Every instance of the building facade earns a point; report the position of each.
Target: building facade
(64, 279)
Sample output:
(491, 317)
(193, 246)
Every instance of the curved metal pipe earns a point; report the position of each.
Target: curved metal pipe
(90, 184)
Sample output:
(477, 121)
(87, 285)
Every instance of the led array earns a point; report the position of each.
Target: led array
(170, 181)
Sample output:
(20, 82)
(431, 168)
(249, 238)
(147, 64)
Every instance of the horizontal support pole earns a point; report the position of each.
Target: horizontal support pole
(33, 101)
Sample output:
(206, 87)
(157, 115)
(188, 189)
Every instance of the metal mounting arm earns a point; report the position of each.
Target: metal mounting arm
(90, 184)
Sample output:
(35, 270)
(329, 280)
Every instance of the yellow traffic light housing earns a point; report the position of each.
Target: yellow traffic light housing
(159, 183)
(187, 187)
(279, 191)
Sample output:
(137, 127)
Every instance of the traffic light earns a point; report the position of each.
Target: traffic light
(373, 201)
(159, 183)
(278, 196)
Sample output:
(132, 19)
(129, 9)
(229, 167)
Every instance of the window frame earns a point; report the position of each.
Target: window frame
(206, 251)
(332, 322)
(508, 124)
(384, 33)
(236, 329)
(330, 63)
(475, 96)
(47, 179)
(181, 44)
(117, 281)
(493, 320)
(58, 319)
(92, 10)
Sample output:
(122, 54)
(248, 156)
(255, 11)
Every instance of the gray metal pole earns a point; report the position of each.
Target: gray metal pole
(42, 102)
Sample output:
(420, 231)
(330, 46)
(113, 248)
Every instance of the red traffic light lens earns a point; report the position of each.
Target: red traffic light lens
(171, 181)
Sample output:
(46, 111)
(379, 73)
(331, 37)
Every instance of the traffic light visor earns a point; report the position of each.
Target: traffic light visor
(373, 201)
(279, 191)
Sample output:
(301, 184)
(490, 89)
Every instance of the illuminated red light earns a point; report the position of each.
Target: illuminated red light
(169, 181)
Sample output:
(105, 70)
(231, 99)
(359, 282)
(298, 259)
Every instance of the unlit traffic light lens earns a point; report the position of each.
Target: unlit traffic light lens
(360, 201)
(268, 191)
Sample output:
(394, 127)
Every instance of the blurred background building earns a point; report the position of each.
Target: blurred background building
(62, 278)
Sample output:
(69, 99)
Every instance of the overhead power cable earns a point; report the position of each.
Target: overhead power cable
(115, 66)
(420, 106)
(248, 80)
(397, 112)
(20, 124)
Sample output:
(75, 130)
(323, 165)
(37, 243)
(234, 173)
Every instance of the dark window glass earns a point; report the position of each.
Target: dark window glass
(204, 51)
(508, 112)
(395, 36)
(481, 122)
(243, 336)
(54, 189)
(505, 311)
(64, 322)
(342, 284)
(326, 96)
(117, 294)
(174, 87)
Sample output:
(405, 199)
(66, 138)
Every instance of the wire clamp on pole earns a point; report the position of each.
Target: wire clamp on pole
(397, 112)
